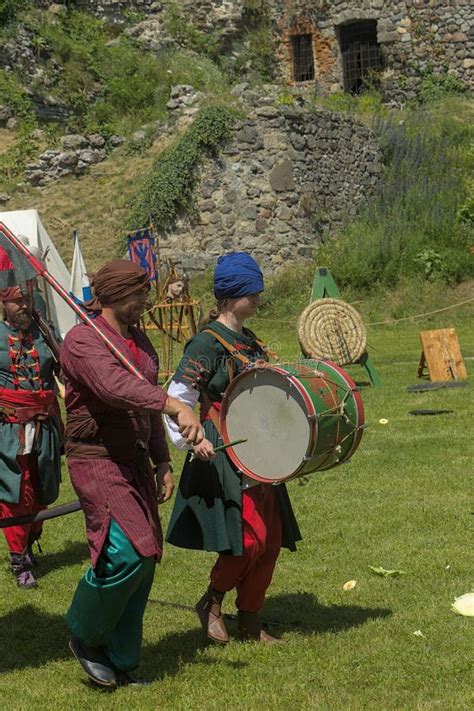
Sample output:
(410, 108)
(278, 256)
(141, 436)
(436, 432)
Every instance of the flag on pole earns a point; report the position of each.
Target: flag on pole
(15, 269)
(79, 286)
(140, 248)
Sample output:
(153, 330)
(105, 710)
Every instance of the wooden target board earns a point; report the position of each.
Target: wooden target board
(441, 355)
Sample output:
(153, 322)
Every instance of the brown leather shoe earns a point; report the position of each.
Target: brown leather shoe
(250, 628)
(210, 616)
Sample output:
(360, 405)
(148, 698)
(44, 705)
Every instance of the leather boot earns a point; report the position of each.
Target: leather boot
(21, 568)
(96, 665)
(210, 616)
(251, 628)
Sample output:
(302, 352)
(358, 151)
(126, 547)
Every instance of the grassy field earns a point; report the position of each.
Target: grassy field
(403, 502)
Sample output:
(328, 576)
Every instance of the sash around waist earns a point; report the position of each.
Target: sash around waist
(21, 406)
(122, 437)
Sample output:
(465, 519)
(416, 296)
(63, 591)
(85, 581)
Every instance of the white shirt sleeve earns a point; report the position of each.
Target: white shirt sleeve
(188, 395)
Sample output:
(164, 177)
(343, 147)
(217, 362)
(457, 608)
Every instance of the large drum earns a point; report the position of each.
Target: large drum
(297, 418)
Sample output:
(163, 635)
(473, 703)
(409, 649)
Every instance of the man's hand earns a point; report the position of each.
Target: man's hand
(204, 450)
(188, 423)
(164, 482)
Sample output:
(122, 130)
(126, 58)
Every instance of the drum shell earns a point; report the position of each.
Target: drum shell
(334, 412)
(339, 416)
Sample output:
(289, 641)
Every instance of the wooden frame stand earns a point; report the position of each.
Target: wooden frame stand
(324, 286)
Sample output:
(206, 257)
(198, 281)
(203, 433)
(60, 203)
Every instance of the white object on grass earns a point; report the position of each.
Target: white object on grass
(464, 605)
(350, 585)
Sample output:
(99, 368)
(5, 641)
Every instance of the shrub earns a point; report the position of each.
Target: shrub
(434, 87)
(10, 9)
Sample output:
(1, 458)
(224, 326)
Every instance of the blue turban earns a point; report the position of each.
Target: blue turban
(237, 274)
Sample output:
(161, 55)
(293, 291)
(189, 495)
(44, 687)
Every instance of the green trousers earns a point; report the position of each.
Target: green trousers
(109, 603)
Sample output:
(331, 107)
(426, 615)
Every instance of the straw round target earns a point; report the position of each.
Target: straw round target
(332, 329)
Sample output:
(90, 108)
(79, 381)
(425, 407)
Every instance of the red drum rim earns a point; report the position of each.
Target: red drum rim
(312, 421)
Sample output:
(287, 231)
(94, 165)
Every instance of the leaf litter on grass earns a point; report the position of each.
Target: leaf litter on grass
(384, 573)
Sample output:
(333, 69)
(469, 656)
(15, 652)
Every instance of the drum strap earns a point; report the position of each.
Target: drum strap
(211, 411)
(236, 353)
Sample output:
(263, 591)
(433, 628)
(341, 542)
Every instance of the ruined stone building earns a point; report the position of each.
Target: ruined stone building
(288, 175)
(334, 46)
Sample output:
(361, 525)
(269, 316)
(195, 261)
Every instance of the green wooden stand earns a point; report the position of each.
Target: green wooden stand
(324, 286)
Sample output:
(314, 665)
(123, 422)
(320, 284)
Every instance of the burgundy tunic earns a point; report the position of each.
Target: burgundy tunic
(114, 409)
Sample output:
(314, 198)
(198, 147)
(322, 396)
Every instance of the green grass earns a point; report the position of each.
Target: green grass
(403, 502)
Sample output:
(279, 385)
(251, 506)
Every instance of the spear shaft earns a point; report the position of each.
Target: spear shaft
(54, 284)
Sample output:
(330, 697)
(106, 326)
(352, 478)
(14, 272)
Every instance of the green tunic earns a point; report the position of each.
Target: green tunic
(207, 513)
(48, 445)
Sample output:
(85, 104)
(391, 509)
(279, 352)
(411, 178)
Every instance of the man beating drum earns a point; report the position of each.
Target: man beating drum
(217, 507)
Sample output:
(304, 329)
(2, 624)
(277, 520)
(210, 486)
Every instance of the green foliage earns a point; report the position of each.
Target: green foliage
(110, 83)
(106, 83)
(416, 225)
(24, 149)
(254, 58)
(168, 187)
(14, 95)
(368, 101)
(184, 67)
(285, 99)
(186, 34)
(434, 87)
(430, 263)
(466, 211)
(10, 9)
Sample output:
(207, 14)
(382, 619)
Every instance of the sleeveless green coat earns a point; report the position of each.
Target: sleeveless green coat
(48, 446)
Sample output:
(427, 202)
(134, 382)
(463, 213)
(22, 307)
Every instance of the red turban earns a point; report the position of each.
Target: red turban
(16, 292)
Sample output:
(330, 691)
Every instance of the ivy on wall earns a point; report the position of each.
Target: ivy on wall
(168, 187)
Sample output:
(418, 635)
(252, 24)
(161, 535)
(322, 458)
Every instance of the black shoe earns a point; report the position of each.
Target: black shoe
(124, 679)
(94, 663)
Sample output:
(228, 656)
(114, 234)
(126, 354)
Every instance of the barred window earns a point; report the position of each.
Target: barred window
(303, 62)
(360, 53)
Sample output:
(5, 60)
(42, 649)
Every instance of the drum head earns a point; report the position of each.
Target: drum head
(267, 407)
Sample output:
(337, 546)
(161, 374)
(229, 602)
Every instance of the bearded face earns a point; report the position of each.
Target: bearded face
(19, 312)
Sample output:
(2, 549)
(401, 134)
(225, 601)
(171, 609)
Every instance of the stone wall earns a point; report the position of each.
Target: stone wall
(285, 178)
(413, 35)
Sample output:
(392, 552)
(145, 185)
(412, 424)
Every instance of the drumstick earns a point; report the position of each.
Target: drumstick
(222, 447)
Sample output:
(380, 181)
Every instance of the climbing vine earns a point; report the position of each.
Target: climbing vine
(168, 187)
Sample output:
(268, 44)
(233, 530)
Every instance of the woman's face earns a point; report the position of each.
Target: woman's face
(245, 306)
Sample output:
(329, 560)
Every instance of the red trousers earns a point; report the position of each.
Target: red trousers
(18, 536)
(251, 573)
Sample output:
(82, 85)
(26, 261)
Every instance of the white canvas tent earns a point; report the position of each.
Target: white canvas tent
(27, 223)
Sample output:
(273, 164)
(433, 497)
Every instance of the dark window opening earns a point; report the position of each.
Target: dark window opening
(303, 62)
(361, 53)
